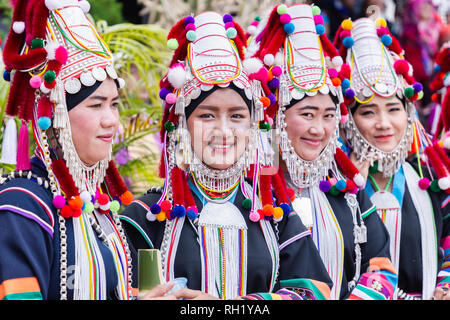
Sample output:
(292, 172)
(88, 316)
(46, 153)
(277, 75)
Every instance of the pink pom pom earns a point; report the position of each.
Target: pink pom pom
(277, 71)
(344, 118)
(424, 183)
(333, 73)
(254, 216)
(59, 202)
(35, 82)
(270, 121)
(318, 19)
(193, 208)
(61, 55)
(333, 181)
(190, 27)
(285, 18)
(401, 67)
(229, 25)
(382, 31)
(171, 98)
(344, 34)
(254, 23)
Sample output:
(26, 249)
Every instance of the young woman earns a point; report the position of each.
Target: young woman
(314, 174)
(381, 130)
(201, 220)
(59, 229)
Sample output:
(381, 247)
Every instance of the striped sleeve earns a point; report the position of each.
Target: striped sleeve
(378, 283)
(443, 278)
(26, 240)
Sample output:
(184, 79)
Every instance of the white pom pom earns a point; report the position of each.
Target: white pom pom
(269, 59)
(252, 65)
(251, 30)
(121, 83)
(51, 49)
(106, 207)
(177, 76)
(358, 179)
(85, 196)
(150, 216)
(44, 89)
(85, 6)
(446, 81)
(53, 4)
(447, 143)
(18, 27)
(279, 59)
(337, 61)
(444, 183)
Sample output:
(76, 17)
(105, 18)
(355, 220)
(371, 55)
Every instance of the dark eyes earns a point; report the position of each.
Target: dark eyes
(99, 105)
(211, 116)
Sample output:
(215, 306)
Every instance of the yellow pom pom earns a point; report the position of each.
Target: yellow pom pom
(441, 143)
(380, 22)
(347, 24)
(161, 216)
(277, 212)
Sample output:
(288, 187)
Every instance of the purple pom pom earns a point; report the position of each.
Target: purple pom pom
(227, 18)
(417, 87)
(349, 94)
(324, 186)
(163, 93)
(189, 19)
(274, 83)
(272, 98)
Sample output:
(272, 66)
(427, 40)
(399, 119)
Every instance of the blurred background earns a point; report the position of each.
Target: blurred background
(136, 32)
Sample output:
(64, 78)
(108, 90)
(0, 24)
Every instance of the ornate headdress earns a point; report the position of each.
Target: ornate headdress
(52, 51)
(208, 51)
(289, 62)
(375, 66)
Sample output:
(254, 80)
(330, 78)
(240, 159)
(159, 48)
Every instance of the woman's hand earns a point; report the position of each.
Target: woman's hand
(190, 294)
(160, 292)
(363, 167)
(441, 293)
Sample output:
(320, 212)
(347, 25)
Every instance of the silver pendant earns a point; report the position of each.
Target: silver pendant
(384, 200)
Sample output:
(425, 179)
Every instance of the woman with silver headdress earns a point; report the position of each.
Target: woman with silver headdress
(60, 236)
(396, 156)
(202, 219)
(314, 174)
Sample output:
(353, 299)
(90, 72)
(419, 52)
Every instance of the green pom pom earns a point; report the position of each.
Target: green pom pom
(281, 9)
(231, 33)
(409, 92)
(88, 207)
(172, 44)
(115, 206)
(374, 169)
(169, 126)
(191, 35)
(316, 10)
(49, 76)
(257, 18)
(37, 43)
(247, 204)
(434, 186)
(420, 95)
(334, 191)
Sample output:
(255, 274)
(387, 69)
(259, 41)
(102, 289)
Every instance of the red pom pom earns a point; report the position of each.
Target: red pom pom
(291, 194)
(66, 212)
(166, 205)
(345, 71)
(103, 199)
(77, 213)
(401, 67)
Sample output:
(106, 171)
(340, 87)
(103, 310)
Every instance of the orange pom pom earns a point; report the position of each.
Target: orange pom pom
(126, 198)
(76, 203)
(265, 101)
(268, 210)
(269, 76)
(161, 216)
(336, 82)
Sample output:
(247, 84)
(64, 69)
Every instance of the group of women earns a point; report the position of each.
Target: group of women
(294, 168)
